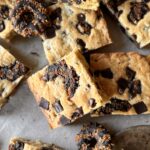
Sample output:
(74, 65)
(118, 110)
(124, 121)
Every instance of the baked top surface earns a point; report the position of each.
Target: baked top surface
(125, 81)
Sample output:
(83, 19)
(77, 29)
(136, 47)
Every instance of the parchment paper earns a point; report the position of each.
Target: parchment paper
(22, 117)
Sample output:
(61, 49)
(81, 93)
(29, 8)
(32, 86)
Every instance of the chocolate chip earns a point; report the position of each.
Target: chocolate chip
(64, 120)
(138, 11)
(81, 43)
(78, 113)
(44, 104)
(140, 107)
(84, 28)
(135, 88)
(17, 146)
(122, 85)
(50, 32)
(106, 73)
(81, 17)
(78, 2)
(4, 12)
(58, 107)
(2, 26)
(130, 73)
(60, 69)
(92, 102)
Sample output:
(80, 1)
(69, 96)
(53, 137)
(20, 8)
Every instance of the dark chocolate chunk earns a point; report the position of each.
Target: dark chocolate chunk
(64, 120)
(106, 73)
(44, 104)
(140, 107)
(78, 2)
(17, 146)
(77, 114)
(92, 102)
(4, 12)
(60, 69)
(114, 105)
(130, 73)
(50, 32)
(122, 85)
(84, 28)
(81, 17)
(81, 43)
(58, 107)
(138, 11)
(135, 88)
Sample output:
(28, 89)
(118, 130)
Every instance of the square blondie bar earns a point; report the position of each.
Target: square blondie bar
(65, 90)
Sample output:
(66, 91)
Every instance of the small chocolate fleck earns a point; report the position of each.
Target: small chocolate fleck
(44, 104)
(140, 107)
(58, 107)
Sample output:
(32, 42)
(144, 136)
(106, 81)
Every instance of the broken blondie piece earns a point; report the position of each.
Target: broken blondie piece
(65, 90)
(125, 78)
(134, 17)
(11, 73)
(24, 144)
(73, 28)
(6, 28)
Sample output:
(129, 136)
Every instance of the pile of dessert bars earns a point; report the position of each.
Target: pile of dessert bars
(72, 84)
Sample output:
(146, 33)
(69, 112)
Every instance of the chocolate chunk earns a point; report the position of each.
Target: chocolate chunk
(64, 120)
(138, 11)
(50, 32)
(106, 73)
(17, 146)
(84, 28)
(135, 88)
(44, 104)
(140, 107)
(78, 2)
(78, 113)
(130, 73)
(115, 105)
(113, 4)
(60, 69)
(4, 12)
(81, 43)
(13, 71)
(2, 26)
(122, 85)
(92, 102)
(58, 107)
(81, 17)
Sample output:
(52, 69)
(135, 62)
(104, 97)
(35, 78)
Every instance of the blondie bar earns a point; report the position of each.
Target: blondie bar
(65, 90)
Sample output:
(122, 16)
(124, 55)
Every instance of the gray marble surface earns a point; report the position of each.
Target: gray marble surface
(22, 117)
